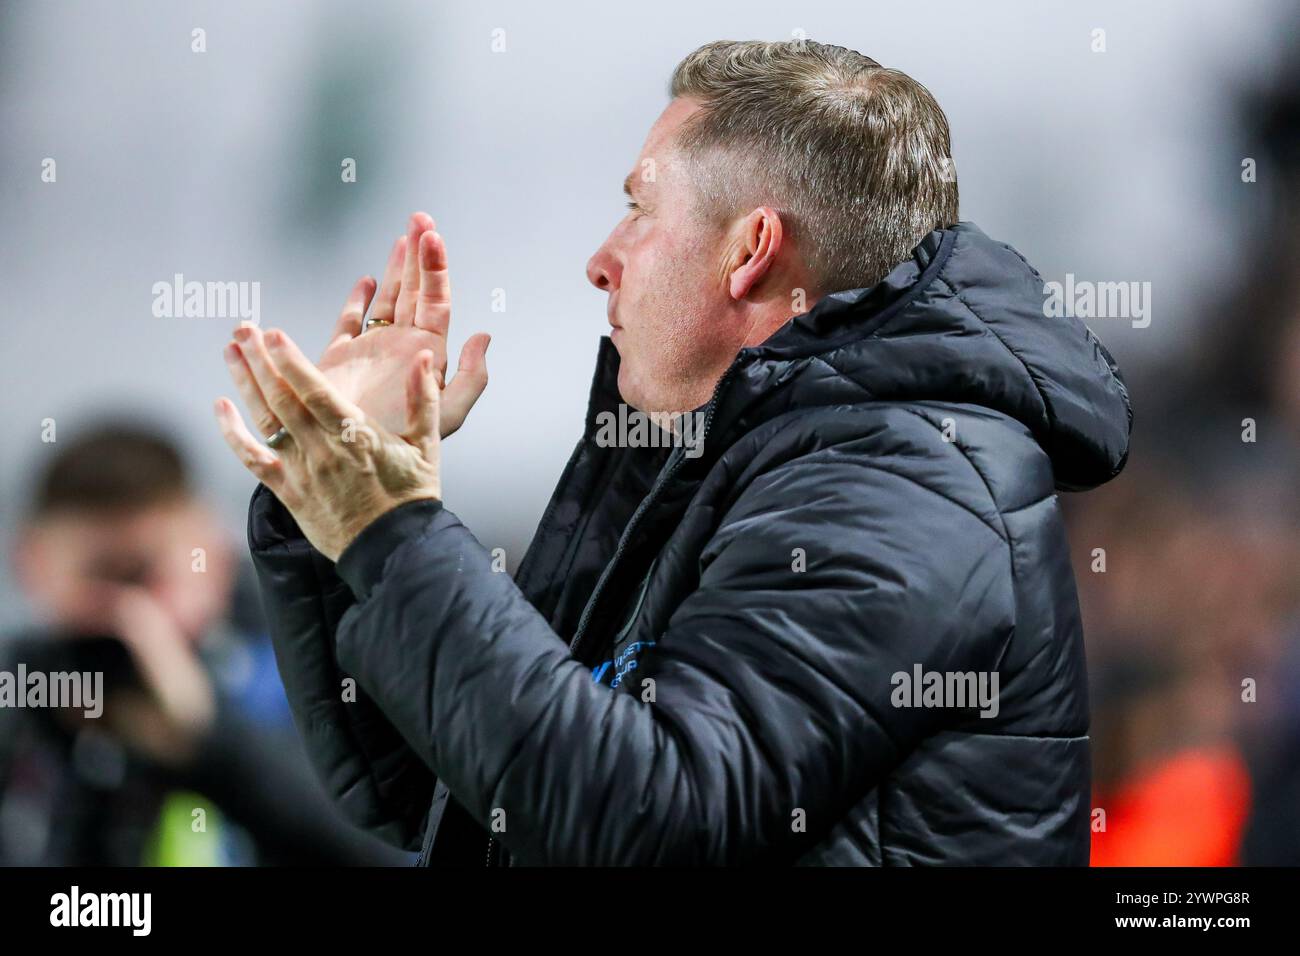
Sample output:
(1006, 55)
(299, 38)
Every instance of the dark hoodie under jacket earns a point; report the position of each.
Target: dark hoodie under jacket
(705, 658)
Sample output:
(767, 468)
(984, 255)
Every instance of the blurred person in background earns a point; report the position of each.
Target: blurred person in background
(193, 759)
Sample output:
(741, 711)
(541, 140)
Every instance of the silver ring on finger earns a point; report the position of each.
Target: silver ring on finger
(279, 438)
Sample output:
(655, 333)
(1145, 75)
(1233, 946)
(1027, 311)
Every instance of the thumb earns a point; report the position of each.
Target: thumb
(470, 381)
(423, 399)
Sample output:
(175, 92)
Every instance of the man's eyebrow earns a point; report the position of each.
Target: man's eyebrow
(627, 184)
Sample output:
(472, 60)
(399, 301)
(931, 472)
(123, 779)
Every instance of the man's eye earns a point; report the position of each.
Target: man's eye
(631, 204)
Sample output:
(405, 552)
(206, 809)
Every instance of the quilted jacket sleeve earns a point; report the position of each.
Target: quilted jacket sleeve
(378, 781)
(772, 694)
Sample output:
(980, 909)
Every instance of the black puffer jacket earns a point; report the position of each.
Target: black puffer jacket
(876, 496)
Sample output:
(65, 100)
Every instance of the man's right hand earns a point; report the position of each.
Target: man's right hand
(372, 369)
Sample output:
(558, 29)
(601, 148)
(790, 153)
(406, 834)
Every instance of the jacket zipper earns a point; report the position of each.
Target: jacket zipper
(665, 475)
(640, 601)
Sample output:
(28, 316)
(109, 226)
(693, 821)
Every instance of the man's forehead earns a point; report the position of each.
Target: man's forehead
(659, 150)
(665, 128)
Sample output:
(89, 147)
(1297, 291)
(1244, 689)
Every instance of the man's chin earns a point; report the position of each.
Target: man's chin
(628, 393)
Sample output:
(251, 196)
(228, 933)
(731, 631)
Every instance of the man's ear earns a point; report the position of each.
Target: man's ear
(760, 241)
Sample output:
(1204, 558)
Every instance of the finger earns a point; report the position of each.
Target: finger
(420, 223)
(264, 419)
(386, 300)
(256, 457)
(354, 310)
(422, 402)
(279, 394)
(433, 305)
(467, 385)
(325, 403)
(140, 618)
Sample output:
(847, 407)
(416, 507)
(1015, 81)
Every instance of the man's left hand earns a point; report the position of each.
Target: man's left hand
(339, 469)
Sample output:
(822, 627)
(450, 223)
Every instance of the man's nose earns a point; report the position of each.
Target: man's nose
(603, 271)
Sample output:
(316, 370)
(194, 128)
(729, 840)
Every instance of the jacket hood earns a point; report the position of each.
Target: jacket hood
(962, 320)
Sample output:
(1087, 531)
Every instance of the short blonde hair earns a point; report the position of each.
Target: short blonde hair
(856, 157)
